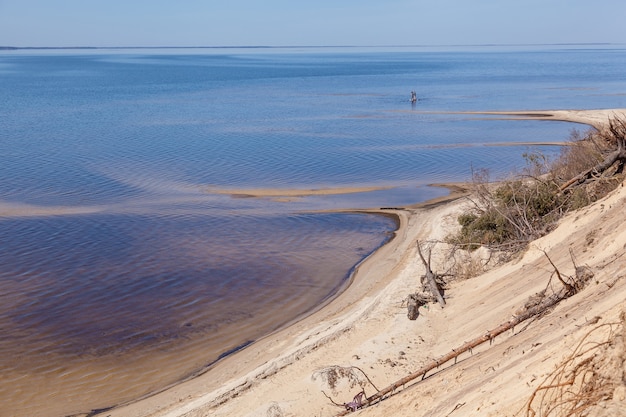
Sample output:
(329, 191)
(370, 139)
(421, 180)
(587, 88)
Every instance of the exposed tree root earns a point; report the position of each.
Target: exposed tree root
(579, 383)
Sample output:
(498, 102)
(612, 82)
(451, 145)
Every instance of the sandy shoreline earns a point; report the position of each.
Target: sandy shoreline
(366, 325)
(594, 118)
(268, 356)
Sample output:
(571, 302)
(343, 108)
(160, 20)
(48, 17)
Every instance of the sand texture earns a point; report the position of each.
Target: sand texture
(367, 327)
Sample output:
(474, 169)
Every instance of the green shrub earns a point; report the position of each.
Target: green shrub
(506, 216)
(522, 209)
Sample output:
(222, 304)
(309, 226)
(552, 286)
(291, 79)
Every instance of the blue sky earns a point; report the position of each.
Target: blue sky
(319, 22)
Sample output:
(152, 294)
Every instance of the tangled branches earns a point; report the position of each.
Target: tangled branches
(350, 377)
(583, 379)
(509, 215)
(613, 150)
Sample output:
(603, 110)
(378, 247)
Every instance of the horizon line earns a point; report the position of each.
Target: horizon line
(310, 46)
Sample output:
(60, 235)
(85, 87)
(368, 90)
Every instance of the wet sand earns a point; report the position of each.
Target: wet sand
(290, 192)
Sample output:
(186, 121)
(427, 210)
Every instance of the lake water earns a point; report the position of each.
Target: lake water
(119, 250)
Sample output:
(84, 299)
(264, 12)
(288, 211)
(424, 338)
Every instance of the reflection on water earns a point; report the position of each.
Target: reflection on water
(84, 295)
(121, 271)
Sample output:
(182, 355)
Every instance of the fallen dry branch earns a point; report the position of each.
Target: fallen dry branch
(570, 288)
(616, 133)
(430, 279)
(431, 290)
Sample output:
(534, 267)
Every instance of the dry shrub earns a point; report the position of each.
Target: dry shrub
(470, 269)
(343, 378)
(510, 214)
(274, 411)
(581, 153)
(465, 264)
(584, 383)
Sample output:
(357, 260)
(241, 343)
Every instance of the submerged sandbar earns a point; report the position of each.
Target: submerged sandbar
(292, 192)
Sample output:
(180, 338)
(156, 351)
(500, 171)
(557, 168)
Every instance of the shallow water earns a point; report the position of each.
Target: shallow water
(117, 255)
(107, 297)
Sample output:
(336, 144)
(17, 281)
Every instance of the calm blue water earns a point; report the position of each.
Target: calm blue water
(115, 249)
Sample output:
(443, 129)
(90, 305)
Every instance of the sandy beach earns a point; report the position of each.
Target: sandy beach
(366, 326)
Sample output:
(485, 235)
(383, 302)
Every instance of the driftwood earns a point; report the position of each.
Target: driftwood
(431, 289)
(430, 279)
(535, 309)
(413, 304)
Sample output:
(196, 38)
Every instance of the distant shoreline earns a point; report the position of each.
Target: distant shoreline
(13, 48)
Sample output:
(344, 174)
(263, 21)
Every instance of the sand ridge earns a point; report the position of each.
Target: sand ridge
(595, 118)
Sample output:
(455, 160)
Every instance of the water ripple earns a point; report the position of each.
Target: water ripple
(114, 254)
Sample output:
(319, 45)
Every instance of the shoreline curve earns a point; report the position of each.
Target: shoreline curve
(276, 352)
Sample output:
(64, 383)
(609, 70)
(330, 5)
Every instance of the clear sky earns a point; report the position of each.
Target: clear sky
(308, 22)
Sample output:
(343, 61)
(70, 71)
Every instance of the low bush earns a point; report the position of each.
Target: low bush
(511, 213)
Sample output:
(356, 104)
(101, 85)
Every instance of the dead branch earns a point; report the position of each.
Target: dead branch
(569, 288)
(616, 133)
(525, 314)
(333, 401)
(431, 282)
(366, 376)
